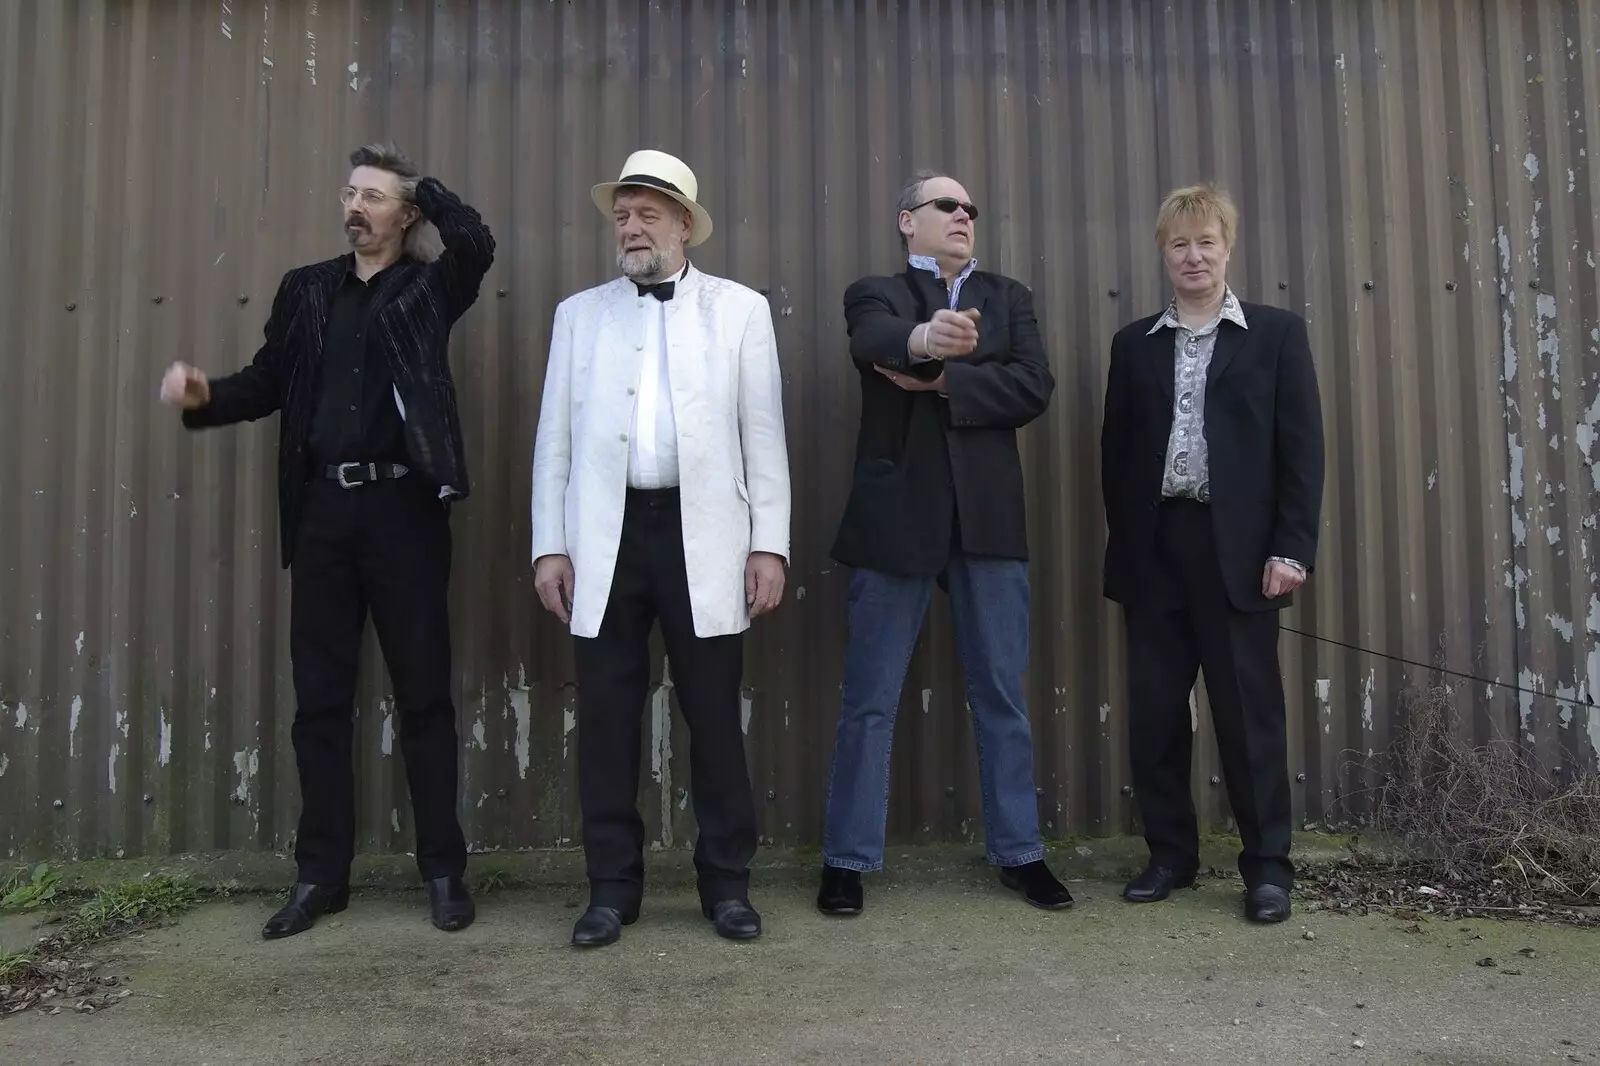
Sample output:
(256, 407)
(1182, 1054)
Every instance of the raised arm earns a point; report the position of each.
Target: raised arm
(468, 245)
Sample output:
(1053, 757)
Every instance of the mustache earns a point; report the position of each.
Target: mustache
(357, 222)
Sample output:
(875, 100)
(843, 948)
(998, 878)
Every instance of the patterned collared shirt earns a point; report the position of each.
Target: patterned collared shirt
(930, 264)
(1187, 471)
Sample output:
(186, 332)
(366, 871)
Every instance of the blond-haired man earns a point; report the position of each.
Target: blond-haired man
(1211, 474)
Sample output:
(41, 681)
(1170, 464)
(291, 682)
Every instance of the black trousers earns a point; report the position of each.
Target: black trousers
(383, 546)
(650, 584)
(1192, 625)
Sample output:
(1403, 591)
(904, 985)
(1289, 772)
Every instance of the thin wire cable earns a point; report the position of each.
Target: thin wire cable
(1441, 669)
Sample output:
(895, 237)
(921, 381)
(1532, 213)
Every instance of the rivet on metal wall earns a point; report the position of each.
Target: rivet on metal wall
(501, 294)
(148, 799)
(58, 805)
(72, 307)
(1114, 293)
(1215, 780)
(1450, 286)
(1038, 792)
(157, 299)
(502, 793)
(1533, 284)
(1283, 285)
(1127, 790)
(949, 790)
(1299, 777)
(243, 299)
(1369, 286)
(772, 797)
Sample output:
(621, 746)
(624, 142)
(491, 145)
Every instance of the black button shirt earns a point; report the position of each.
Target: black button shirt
(356, 419)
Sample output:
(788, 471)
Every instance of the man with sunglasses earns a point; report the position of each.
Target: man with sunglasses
(369, 456)
(952, 365)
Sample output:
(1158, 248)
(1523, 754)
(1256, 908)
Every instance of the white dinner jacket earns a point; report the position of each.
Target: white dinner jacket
(733, 461)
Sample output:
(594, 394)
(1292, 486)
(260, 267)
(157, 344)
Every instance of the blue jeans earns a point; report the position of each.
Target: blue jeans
(989, 607)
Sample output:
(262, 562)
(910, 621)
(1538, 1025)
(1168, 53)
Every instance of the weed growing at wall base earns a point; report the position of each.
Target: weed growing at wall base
(55, 975)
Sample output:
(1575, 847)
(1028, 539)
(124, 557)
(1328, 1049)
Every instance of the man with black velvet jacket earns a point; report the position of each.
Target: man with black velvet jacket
(369, 456)
(952, 365)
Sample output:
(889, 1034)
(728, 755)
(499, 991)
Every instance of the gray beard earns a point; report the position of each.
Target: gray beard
(641, 266)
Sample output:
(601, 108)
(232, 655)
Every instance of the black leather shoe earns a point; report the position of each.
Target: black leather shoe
(1037, 884)
(600, 926)
(734, 918)
(306, 903)
(1266, 903)
(1155, 884)
(450, 903)
(840, 892)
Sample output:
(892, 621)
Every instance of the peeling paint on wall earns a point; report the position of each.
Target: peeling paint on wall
(386, 731)
(522, 713)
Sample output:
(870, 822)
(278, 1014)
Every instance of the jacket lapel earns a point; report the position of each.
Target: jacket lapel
(1160, 360)
(1230, 338)
(322, 291)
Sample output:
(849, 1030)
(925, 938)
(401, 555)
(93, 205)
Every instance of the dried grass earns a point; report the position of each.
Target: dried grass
(1489, 817)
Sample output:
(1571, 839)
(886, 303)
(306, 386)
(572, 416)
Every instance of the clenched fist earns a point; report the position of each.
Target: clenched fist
(184, 386)
(952, 334)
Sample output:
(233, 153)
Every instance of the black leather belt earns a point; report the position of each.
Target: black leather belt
(349, 475)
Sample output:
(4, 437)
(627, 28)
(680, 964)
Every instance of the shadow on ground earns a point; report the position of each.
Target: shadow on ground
(945, 967)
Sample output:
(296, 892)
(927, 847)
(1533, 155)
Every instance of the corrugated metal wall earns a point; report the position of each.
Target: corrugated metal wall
(1414, 178)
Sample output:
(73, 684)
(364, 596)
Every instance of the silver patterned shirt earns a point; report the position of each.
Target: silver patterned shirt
(1187, 471)
(1188, 468)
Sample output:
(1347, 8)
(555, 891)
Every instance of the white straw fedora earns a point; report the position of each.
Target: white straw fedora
(667, 175)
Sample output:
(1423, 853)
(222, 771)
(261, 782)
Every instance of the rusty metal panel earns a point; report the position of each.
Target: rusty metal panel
(1413, 178)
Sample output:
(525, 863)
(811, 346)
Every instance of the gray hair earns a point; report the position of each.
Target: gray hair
(911, 196)
(422, 241)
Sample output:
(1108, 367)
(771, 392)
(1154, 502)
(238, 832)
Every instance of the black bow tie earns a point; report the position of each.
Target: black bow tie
(661, 290)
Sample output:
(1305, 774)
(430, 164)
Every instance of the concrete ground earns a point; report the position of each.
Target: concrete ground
(944, 967)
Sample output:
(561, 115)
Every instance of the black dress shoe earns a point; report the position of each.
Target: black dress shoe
(734, 918)
(840, 892)
(600, 926)
(306, 902)
(1037, 884)
(1155, 884)
(450, 904)
(1266, 903)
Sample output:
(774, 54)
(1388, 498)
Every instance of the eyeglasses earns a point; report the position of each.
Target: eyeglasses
(371, 197)
(948, 205)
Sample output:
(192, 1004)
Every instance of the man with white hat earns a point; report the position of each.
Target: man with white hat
(661, 493)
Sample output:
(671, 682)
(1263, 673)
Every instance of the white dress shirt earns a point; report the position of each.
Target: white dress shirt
(653, 440)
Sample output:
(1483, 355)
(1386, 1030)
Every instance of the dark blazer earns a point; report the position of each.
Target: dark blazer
(922, 458)
(1263, 428)
(409, 317)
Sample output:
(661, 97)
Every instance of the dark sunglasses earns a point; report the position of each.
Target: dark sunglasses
(948, 205)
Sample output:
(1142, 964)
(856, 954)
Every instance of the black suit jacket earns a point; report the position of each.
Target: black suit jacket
(1263, 429)
(409, 317)
(922, 458)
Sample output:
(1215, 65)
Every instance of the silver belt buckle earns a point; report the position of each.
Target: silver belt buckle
(372, 473)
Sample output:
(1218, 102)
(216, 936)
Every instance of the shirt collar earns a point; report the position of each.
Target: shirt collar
(1232, 311)
(350, 266)
(930, 264)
